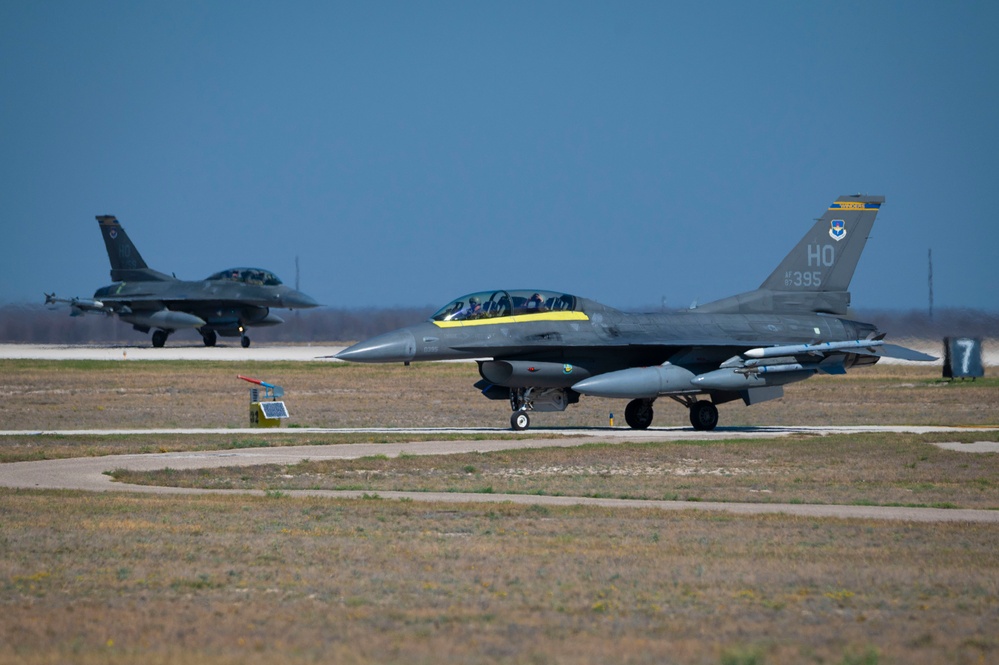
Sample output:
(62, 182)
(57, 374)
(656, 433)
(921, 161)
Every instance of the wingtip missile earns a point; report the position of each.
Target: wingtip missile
(819, 348)
(81, 304)
(869, 347)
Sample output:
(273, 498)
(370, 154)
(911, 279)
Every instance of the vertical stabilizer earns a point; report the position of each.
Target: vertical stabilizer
(815, 276)
(126, 262)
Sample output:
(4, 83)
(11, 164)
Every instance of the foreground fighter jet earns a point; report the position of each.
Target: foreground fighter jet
(541, 350)
(224, 304)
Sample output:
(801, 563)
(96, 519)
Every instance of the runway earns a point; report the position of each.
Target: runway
(224, 352)
(89, 473)
(231, 351)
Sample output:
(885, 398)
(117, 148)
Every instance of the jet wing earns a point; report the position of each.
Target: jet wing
(864, 347)
(755, 373)
(768, 364)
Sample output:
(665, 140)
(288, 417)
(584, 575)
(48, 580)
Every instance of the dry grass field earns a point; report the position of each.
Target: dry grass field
(128, 394)
(239, 579)
(116, 578)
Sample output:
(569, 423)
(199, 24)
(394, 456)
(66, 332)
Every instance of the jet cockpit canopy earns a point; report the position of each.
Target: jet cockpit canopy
(495, 304)
(255, 276)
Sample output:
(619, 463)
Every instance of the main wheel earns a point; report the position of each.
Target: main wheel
(244, 342)
(210, 338)
(703, 415)
(159, 338)
(520, 421)
(638, 414)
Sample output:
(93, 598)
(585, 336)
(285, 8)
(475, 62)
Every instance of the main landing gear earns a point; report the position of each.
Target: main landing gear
(160, 338)
(638, 414)
(209, 337)
(703, 414)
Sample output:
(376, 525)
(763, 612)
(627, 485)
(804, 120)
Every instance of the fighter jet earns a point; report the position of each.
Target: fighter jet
(542, 349)
(226, 303)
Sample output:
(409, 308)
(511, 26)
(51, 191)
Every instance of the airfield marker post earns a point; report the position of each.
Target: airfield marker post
(265, 413)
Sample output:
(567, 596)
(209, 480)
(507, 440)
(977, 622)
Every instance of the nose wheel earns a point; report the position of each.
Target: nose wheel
(520, 421)
(244, 342)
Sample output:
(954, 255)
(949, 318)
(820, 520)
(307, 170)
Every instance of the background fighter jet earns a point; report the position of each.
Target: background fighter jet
(224, 304)
(543, 349)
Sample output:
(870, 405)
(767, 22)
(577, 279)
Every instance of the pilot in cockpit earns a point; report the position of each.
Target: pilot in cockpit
(474, 309)
(535, 303)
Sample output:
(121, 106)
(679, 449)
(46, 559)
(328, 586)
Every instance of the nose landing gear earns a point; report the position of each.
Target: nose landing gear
(524, 400)
(520, 421)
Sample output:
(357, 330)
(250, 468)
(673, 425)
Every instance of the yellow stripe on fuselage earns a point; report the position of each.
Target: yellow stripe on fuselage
(520, 318)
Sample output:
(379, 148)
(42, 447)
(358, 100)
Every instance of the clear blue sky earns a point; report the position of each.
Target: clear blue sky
(410, 152)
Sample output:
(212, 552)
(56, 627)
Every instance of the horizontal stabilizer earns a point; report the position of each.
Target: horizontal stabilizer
(902, 353)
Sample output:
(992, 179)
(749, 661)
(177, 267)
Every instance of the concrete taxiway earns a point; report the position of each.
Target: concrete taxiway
(90, 473)
(231, 351)
(223, 352)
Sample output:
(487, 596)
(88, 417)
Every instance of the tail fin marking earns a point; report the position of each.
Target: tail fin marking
(127, 264)
(815, 275)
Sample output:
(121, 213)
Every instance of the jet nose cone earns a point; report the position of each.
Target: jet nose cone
(396, 346)
(298, 300)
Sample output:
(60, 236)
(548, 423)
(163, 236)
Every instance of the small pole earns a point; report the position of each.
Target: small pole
(612, 419)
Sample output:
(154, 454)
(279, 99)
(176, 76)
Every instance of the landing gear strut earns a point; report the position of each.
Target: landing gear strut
(521, 403)
(525, 400)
